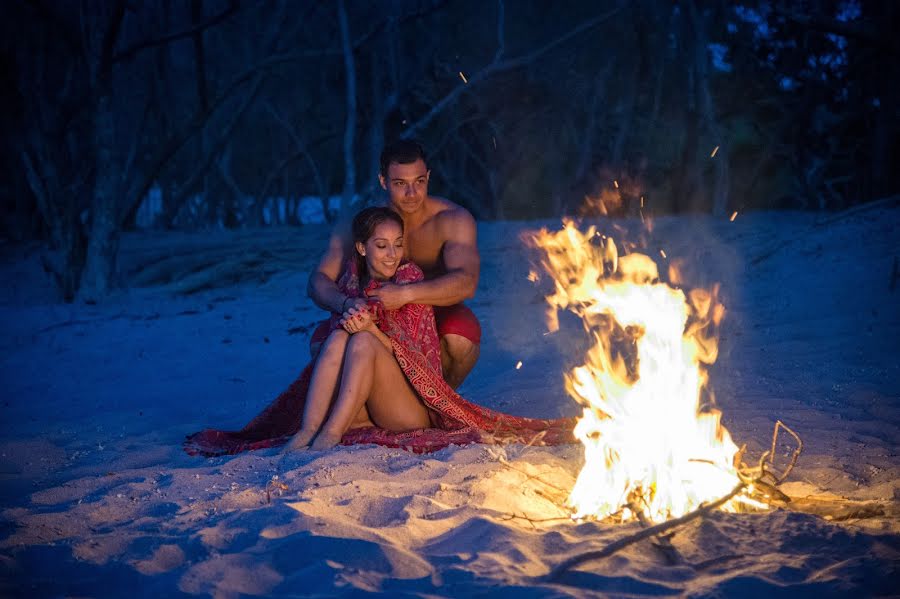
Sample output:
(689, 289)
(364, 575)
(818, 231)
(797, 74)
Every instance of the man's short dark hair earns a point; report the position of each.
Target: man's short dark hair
(402, 151)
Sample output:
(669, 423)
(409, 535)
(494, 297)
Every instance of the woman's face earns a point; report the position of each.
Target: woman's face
(383, 250)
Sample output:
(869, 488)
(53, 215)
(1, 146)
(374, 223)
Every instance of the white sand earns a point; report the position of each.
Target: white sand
(99, 500)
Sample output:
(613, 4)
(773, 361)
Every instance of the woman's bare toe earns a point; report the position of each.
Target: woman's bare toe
(324, 441)
(300, 441)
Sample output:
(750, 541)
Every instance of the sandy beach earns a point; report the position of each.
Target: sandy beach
(98, 498)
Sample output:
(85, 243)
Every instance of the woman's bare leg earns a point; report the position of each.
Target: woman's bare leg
(322, 388)
(372, 381)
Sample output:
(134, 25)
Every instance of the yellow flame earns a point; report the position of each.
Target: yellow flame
(648, 444)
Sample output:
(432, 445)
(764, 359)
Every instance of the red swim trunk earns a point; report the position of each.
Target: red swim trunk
(457, 319)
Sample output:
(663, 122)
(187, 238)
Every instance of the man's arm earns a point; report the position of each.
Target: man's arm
(461, 263)
(322, 285)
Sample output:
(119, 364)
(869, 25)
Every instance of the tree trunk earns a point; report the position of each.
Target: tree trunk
(350, 123)
(708, 111)
(103, 241)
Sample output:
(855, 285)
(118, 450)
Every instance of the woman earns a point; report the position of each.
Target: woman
(356, 375)
(377, 377)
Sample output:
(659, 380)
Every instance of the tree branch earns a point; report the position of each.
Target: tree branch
(497, 66)
(211, 155)
(413, 14)
(131, 51)
(110, 39)
(301, 149)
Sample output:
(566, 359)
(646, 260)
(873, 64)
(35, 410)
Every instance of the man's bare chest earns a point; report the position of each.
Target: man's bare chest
(423, 246)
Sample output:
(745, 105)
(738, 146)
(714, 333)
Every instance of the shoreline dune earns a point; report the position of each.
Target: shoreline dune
(99, 500)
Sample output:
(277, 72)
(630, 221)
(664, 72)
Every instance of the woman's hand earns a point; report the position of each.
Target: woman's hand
(356, 320)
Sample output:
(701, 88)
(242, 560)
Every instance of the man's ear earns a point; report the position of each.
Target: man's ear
(360, 248)
(383, 182)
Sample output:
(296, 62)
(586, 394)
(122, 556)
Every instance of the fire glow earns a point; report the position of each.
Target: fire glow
(651, 450)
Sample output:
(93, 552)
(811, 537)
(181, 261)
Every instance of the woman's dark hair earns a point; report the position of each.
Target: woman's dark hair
(402, 151)
(364, 224)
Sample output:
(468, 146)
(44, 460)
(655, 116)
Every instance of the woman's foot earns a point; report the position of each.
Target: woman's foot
(300, 441)
(324, 441)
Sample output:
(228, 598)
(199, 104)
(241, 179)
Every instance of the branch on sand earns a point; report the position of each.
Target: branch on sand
(651, 531)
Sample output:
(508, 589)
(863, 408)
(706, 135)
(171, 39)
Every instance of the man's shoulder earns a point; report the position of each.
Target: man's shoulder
(450, 214)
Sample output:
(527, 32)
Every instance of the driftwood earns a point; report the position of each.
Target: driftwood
(762, 480)
(651, 531)
(749, 477)
(838, 509)
(796, 454)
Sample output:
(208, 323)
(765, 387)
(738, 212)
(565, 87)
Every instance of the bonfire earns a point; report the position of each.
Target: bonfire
(654, 445)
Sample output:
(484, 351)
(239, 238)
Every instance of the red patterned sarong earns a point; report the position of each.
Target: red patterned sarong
(414, 339)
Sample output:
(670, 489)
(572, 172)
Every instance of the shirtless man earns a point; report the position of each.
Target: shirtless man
(440, 237)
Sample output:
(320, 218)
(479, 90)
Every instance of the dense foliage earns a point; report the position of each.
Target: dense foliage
(526, 108)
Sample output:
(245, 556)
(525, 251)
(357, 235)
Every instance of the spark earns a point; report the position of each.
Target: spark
(519, 364)
(713, 155)
(733, 216)
(463, 77)
(642, 201)
(662, 253)
(616, 183)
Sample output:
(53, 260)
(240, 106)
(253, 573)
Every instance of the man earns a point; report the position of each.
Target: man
(440, 237)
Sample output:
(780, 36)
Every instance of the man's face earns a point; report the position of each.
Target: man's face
(407, 185)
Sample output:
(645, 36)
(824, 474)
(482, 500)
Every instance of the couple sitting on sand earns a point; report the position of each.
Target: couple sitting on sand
(399, 340)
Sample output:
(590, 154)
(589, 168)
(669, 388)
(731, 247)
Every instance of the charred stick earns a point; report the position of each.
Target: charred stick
(615, 546)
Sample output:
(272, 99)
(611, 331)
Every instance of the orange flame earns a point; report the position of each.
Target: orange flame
(649, 447)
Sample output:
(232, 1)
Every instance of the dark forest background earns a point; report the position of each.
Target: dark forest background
(526, 108)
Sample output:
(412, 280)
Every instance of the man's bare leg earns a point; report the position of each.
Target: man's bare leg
(372, 382)
(458, 357)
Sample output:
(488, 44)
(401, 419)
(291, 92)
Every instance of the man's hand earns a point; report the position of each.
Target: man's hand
(359, 303)
(391, 295)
